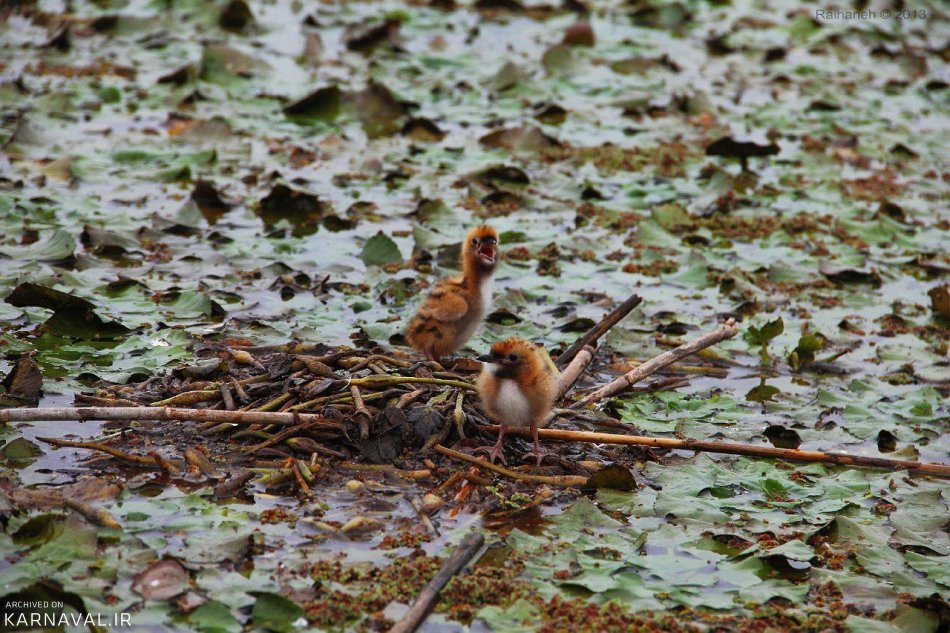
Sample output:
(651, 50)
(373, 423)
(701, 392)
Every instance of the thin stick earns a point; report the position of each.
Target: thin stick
(385, 468)
(458, 415)
(207, 394)
(33, 498)
(300, 480)
(372, 381)
(163, 413)
(701, 446)
(407, 398)
(275, 403)
(430, 593)
(593, 335)
(656, 363)
(105, 448)
(557, 480)
(362, 413)
(702, 370)
(278, 437)
(226, 397)
(567, 378)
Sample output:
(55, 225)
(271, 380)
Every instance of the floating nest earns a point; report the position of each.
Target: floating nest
(360, 410)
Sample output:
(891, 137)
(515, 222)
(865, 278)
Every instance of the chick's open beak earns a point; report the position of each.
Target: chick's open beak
(488, 251)
(486, 358)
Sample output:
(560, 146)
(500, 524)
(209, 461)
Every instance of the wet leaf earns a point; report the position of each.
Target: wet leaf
(300, 208)
(25, 380)
(275, 613)
(613, 477)
(940, 300)
(162, 581)
(19, 453)
(380, 250)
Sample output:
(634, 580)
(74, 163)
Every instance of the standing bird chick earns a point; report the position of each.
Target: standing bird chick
(456, 306)
(516, 389)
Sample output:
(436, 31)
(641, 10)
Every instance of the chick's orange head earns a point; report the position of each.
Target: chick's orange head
(481, 243)
(513, 351)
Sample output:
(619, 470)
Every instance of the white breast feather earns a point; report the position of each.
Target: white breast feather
(512, 405)
(486, 292)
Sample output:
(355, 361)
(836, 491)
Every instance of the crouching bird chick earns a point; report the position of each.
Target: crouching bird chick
(456, 306)
(516, 389)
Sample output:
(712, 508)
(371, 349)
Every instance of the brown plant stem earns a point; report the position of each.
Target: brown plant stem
(362, 414)
(163, 413)
(728, 330)
(105, 448)
(750, 450)
(385, 468)
(593, 335)
(33, 498)
(567, 378)
(556, 480)
(430, 593)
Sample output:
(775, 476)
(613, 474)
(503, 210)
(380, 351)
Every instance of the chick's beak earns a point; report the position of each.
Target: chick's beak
(488, 251)
(486, 358)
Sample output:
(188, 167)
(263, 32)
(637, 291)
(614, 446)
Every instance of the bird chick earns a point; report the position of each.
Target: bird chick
(456, 306)
(516, 389)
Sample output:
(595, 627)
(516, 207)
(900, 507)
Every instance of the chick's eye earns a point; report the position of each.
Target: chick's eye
(512, 357)
(474, 241)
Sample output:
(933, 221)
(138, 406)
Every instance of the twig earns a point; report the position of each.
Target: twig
(430, 593)
(239, 390)
(386, 468)
(372, 381)
(701, 446)
(377, 358)
(408, 398)
(362, 413)
(96, 516)
(194, 457)
(702, 370)
(163, 413)
(656, 363)
(451, 481)
(233, 485)
(205, 395)
(275, 403)
(278, 437)
(556, 480)
(543, 494)
(96, 446)
(416, 504)
(298, 475)
(458, 415)
(570, 375)
(226, 397)
(593, 335)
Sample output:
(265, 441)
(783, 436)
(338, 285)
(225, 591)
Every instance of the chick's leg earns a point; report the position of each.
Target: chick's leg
(537, 446)
(495, 452)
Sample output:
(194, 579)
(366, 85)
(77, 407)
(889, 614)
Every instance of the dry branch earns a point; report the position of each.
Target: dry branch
(657, 363)
(593, 335)
(164, 413)
(105, 448)
(430, 593)
(567, 378)
(750, 450)
(50, 498)
(556, 480)
(385, 468)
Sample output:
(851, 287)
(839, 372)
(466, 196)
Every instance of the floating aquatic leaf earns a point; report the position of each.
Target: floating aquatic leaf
(275, 613)
(380, 250)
